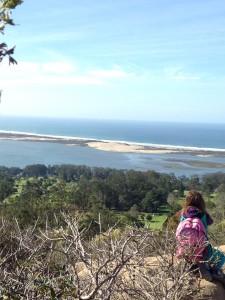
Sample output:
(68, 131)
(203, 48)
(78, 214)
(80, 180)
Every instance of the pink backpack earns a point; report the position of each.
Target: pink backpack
(191, 239)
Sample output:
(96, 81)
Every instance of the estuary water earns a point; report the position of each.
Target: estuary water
(184, 135)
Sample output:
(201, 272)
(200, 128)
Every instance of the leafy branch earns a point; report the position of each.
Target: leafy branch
(5, 19)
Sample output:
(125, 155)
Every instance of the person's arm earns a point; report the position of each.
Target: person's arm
(209, 219)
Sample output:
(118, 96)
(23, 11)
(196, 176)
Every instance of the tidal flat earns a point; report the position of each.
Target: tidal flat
(18, 149)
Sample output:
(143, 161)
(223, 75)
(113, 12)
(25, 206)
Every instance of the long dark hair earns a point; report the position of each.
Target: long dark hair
(194, 199)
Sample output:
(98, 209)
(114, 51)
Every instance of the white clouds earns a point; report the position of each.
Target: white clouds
(114, 74)
(178, 73)
(58, 73)
(15, 70)
(62, 73)
(57, 67)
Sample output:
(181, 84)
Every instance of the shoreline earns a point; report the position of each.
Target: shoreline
(113, 146)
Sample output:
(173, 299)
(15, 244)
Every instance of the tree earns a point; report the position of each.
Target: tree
(173, 203)
(150, 203)
(5, 19)
(6, 188)
(193, 183)
(35, 170)
(219, 208)
(221, 188)
(207, 189)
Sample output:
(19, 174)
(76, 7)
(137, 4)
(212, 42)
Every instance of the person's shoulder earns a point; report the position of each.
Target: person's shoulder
(193, 212)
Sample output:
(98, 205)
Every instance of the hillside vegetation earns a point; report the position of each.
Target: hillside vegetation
(74, 232)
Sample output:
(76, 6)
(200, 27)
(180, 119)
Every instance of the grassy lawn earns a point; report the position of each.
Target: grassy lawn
(157, 222)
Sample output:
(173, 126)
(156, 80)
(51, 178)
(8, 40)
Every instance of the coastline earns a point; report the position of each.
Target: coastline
(113, 146)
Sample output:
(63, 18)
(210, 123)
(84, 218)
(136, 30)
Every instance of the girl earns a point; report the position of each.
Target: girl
(195, 207)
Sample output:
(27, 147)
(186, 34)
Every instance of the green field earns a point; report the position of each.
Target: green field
(157, 222)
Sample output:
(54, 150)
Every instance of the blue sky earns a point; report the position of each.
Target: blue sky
(156, 60)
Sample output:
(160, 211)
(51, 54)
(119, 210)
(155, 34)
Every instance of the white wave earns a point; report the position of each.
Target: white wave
(164, 146)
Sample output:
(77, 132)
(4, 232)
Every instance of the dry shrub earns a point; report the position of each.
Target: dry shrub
(65, 264)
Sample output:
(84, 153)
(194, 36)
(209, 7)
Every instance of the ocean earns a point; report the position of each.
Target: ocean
(184, 135)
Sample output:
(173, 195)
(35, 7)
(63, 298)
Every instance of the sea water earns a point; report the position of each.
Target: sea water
(163, 133)
(190, 135)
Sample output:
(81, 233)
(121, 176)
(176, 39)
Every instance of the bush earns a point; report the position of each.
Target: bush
(65, 264)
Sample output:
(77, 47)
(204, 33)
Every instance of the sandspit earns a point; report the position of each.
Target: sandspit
(111, 145)
(128, 148)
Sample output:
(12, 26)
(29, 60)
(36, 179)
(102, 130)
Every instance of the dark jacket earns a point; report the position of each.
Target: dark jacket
(193, 212)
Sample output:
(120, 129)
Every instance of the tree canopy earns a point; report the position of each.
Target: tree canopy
(5, 19)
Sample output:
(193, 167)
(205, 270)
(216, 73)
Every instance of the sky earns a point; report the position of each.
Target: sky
(155, 60)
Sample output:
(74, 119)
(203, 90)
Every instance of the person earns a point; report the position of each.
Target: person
(195, 207)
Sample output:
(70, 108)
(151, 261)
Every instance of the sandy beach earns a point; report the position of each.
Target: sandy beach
(128, 148)
(111, 146)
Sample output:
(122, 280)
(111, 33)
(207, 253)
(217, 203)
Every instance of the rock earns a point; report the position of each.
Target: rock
(210, 290)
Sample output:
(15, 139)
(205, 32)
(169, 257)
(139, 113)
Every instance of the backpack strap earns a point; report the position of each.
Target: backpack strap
(204, 221)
